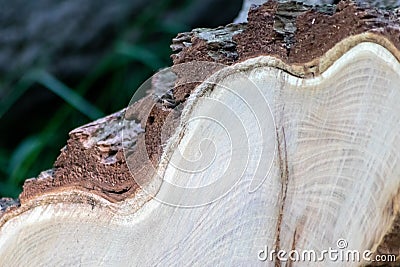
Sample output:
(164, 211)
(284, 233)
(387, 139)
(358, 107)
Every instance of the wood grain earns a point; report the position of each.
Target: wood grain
(328, 148)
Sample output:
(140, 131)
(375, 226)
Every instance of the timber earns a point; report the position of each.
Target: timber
(282, 132)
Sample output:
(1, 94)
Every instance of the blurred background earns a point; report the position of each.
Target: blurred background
(66, 63)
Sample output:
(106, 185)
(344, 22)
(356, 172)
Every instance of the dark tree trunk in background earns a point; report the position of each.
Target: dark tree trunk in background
(69, 37)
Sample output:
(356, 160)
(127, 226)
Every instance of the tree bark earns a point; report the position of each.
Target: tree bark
(278, 134)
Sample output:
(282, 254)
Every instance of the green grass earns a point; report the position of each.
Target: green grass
(106, 88)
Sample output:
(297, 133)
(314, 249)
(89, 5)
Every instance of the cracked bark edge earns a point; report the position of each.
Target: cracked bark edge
(293, 32)
(305, 39)
(93, 160)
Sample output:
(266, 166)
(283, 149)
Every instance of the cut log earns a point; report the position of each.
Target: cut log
(273, 143)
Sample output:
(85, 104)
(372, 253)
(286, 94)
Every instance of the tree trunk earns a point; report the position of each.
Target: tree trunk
(276, 135)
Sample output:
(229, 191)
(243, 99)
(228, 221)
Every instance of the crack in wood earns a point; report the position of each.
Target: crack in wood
(284, 174)
(293, 248)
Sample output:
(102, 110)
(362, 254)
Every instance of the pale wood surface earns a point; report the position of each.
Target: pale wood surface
(328, 148)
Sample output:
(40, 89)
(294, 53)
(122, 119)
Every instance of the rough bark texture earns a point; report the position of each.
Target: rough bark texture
(247, 4)
(293, 32)
(299, 35)
(7, 203)
(92, 159)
